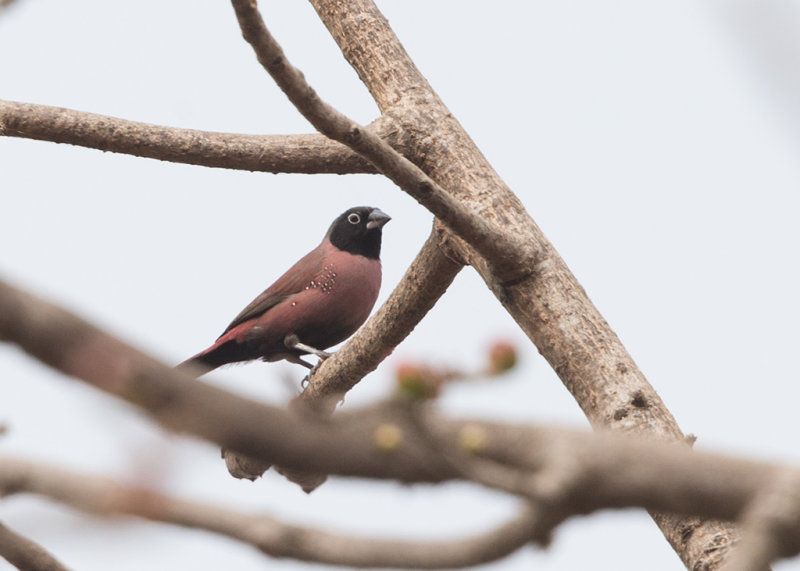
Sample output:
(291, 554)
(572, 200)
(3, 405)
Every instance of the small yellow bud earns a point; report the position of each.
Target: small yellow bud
(387, 437)
(472, 438)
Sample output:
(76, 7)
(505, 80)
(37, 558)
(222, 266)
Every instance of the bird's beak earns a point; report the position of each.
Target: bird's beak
(377, 218)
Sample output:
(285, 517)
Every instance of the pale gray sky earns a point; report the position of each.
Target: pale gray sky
(655, 144)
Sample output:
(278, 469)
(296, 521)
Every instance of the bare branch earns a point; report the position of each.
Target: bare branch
(384, 66)
(562, 472)
(269, 153)
(102, 496)
(663, 476)
(508, 256)
(547, 302)
(25, 554)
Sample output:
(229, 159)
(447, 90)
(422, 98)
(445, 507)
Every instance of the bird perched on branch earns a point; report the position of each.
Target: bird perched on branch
(319, 302)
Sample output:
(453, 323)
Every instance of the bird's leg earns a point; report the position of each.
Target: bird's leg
(293, 342)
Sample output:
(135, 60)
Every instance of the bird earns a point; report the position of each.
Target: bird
(320, 301)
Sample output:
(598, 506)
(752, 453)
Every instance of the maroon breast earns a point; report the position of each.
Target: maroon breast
(337, 300)
(331, 307)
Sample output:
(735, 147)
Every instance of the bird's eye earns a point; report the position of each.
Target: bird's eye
(354, 218)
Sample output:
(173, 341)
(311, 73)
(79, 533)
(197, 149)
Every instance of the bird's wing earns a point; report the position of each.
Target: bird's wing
(293, 281)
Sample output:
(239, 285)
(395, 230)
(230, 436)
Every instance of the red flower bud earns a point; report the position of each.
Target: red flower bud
(417, 382)
(502, 357)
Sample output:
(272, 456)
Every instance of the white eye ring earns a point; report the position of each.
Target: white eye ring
(354, 218)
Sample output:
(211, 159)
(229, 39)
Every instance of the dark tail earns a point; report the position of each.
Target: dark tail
(213, 357)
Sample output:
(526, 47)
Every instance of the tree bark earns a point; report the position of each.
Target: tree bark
(545, 299)
(308, 154)
(538, 290)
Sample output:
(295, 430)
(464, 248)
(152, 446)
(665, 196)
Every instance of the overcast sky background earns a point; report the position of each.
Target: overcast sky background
(655, 144)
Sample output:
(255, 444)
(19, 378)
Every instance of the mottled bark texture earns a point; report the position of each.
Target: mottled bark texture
(308, 154)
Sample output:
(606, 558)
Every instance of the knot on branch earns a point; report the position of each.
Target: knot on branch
(424, 188)
(353, 135)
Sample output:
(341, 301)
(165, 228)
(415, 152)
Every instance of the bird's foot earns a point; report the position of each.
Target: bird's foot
(315, 368)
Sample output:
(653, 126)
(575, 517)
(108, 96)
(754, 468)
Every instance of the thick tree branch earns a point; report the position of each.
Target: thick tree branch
(562, 472)
(23, 553)
(102, 496)
(550, 305)
(387, 70)
(508, 256)
(269, 153)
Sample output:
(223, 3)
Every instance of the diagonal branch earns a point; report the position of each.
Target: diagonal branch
(508, 256)
(23, 553)
(550, 305)
(96, 495)
(308, 154)
(384, 67)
